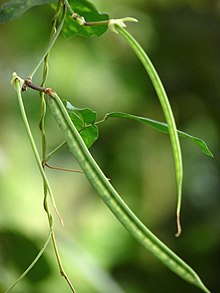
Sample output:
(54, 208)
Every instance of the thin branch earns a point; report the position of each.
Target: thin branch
(54, 151)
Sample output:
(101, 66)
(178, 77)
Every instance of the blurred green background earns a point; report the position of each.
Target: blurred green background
(183, 40)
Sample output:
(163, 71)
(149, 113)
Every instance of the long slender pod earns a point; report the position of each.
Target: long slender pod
(17, 82)
(164, 101)
(112, 199)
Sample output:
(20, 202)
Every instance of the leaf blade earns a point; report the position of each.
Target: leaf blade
(162, 127)
(83, 119)
(89, 135)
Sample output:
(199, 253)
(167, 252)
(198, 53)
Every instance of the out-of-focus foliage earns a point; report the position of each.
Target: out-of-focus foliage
(182, 38)
(16, 8)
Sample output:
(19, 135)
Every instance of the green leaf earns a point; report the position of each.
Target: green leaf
(89, 135)
(16, 8)
(83, 119)
(87, 10)
(163, 127)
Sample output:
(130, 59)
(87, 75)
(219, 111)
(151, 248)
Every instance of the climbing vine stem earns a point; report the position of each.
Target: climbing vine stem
(52, 41)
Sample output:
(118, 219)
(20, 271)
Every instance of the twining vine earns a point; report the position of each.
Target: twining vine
(80, 129)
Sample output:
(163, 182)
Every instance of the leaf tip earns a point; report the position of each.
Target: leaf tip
(209, 153)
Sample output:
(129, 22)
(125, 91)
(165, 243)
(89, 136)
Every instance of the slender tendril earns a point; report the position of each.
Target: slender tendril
(43, 143)
(52, 42)
(43, 104)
